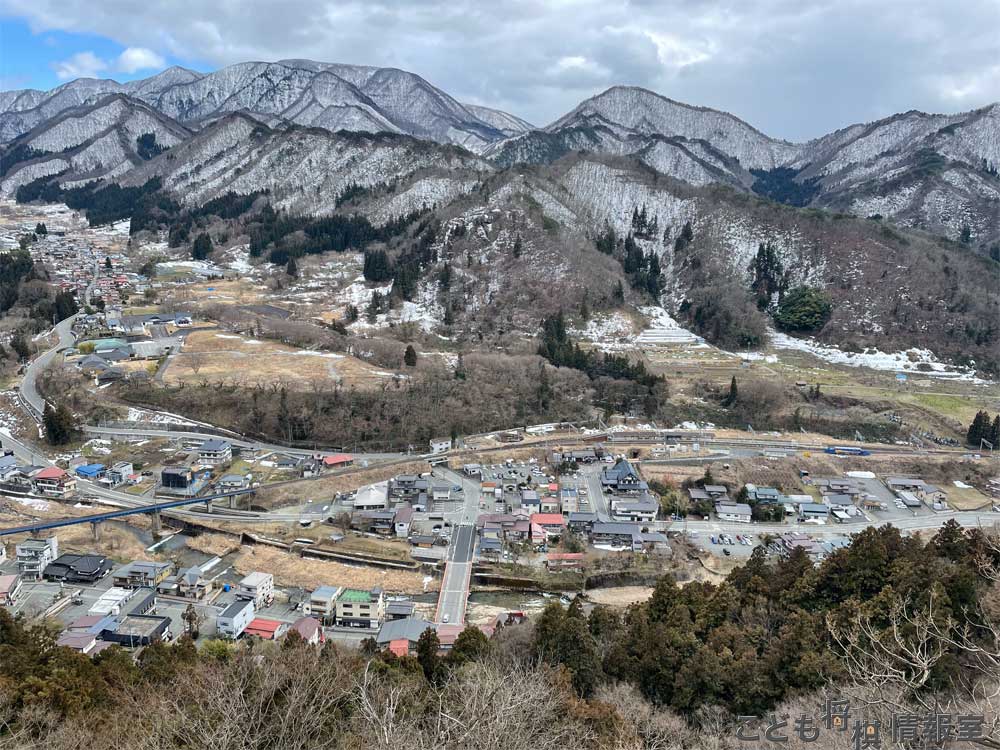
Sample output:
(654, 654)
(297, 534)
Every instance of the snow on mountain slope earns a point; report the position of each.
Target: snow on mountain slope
(422, 192)
(100, 140)
(648, 113)
(305, 169)
(505, 122)
(305, 92)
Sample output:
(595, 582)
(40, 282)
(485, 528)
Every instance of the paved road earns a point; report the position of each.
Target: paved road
(454, 594)
(28, 387)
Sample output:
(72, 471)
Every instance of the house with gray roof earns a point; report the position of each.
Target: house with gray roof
(215, 452)
(622, 478)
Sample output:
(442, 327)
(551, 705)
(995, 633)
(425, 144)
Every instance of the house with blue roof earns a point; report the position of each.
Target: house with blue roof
(91, 471)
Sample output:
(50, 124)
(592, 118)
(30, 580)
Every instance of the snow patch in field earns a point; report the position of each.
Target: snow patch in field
(240, 260)
(328, 355)
(611, 332)
(663, 329)
(912, 361)
(31, 502)
(144, 415)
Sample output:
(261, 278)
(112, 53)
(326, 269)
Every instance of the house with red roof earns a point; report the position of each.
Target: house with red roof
(53, 482)
(337, 461)
(266, 630)
(553, 524)
(564, 560)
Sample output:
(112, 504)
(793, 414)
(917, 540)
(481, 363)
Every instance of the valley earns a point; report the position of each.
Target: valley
(318, 348)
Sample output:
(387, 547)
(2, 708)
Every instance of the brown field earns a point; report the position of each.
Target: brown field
(213, 357)
(327, 486)
(214, 544)
(235, 291)
(116, 541)
(292, 570)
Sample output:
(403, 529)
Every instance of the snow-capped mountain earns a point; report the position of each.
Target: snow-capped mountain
(934, 172)
(643, 112)
(327, 95)
(927, 171)
(86, 143)
(303, 169)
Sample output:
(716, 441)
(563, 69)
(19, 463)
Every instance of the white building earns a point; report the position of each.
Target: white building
(111, 601)
(440, 445)
(258, 588)
(372, 497)
(215, 452)
(34, 554)
(234, 619)
(734, 512)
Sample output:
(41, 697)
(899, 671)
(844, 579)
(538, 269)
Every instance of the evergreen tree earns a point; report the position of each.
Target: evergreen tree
(64, 306)
(40, 229)
(60, 424)
(584, 309)
(444, 277)
(107, 262)
(410, 356)
(202, 247)
(995, 432)
(470, 645)
(979, 429)
(804, 308)
(606, 242)
(377, 266)
(733, 392)
(768, 274)
(292, 268)
(965, 237)
(518, 248)
(619, 293)
(20, 346)
(375, 305)
(684, 238)
(428, 646)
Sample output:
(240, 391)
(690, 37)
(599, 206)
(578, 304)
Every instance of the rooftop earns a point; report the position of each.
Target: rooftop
(355, 595)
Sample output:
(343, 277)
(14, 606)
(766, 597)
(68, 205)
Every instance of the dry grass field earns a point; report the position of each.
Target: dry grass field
(292, 570)
(210, 356)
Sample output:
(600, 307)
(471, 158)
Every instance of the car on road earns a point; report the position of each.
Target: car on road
(445, 618)
(456, 488)
(713, 540)
(726, 552)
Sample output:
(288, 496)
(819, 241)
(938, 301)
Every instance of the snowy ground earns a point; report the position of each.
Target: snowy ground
(615, 332)
(912, 361)
(144, 415)
(200, 267)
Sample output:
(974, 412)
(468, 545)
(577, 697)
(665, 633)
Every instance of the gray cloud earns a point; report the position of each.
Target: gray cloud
(793, 68)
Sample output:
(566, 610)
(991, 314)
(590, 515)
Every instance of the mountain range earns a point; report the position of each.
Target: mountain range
(309, 133)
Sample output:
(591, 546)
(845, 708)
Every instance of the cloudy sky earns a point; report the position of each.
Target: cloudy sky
(793, 68)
